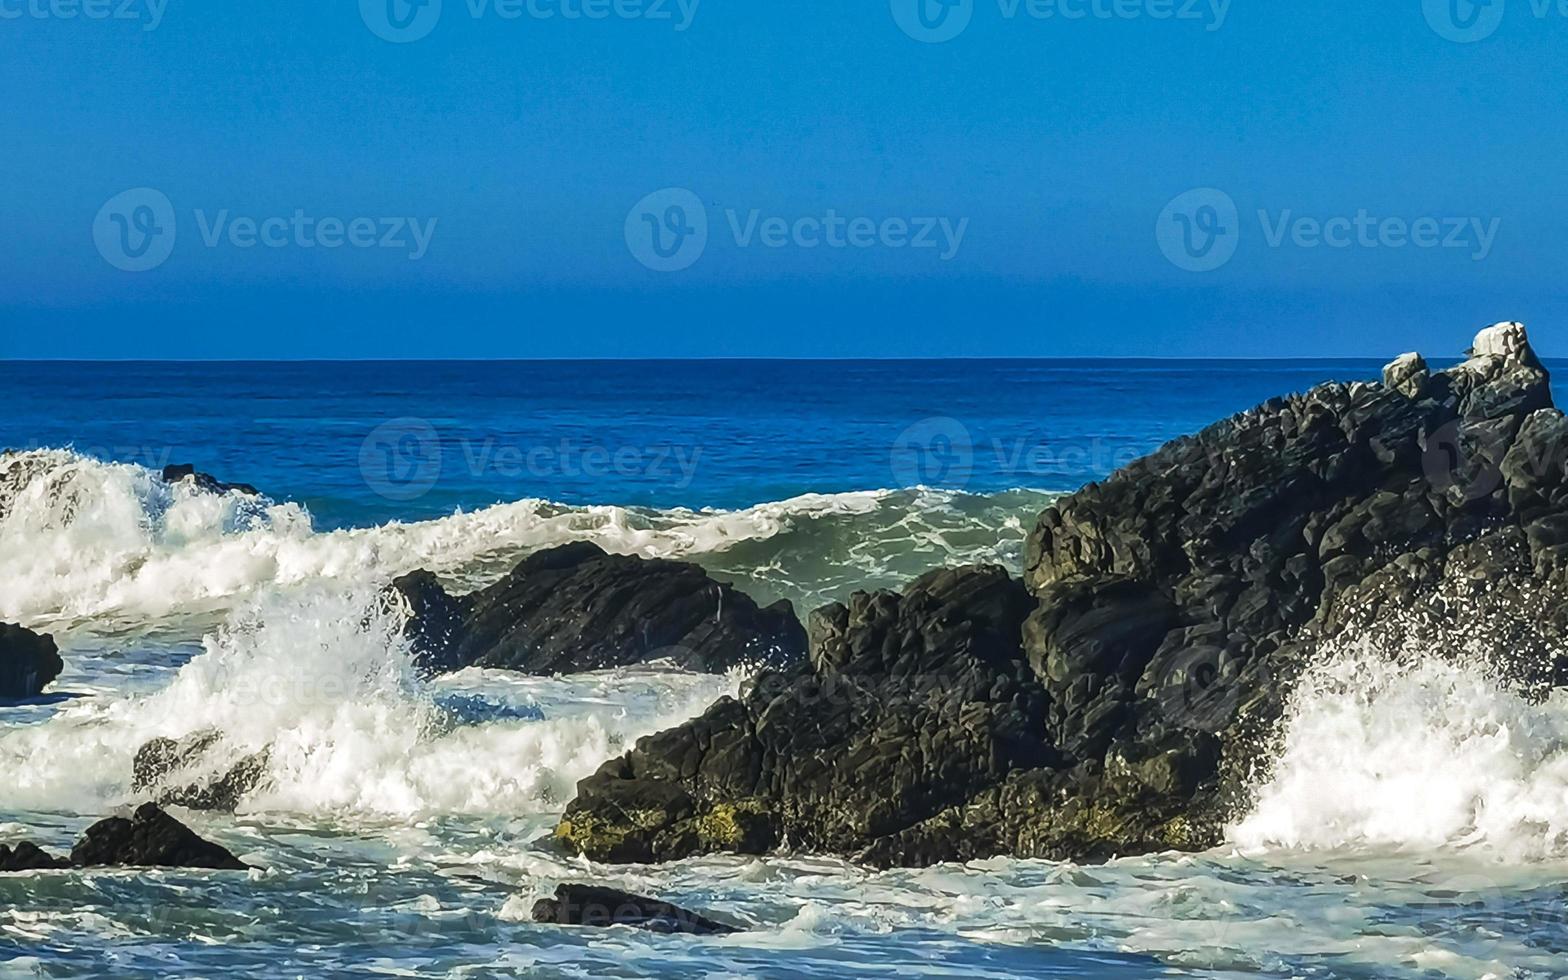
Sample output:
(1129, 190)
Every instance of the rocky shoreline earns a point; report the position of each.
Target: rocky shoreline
(1119, 699)
(1115, 698)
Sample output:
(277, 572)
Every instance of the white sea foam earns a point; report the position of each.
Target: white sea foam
(1418, 752)
(83, 539)
(327, 684)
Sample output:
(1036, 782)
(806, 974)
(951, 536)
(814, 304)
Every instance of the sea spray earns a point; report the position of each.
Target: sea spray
(1418, 750)
(322, 679)
(79, 536)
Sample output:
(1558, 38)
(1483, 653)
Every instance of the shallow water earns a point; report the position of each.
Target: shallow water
(1413, 824)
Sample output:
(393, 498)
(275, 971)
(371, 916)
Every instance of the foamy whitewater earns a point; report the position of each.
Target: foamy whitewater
(1413, 823)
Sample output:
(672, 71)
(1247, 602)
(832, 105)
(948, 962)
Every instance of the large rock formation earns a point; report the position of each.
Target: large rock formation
(1124, 704)
(576, 608)
(910, 703)
(29, 662)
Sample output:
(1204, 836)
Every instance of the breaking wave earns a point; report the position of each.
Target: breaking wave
(101, 545)
(324, 682)
(1417, 751)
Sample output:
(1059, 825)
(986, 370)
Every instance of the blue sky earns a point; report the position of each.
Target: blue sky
(1056, 178)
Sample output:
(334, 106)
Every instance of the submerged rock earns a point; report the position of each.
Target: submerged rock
(1125, 704)
(197, 772)
(152, 839)
(591, 905)
(180, 472)
(576, 608)
(29, 662)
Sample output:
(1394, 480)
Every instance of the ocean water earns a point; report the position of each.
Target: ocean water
(1415, 823)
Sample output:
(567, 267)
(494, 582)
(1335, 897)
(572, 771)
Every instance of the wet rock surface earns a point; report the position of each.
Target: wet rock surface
(197, 772)
(593, 905)
(912, 703)
(149, 838)
(1121, 698)
(29, 662)
(576, 608)
(28, 856)
(180, 472)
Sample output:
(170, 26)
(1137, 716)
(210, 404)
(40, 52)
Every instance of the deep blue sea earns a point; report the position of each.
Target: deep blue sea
(1414, 825)
(717, 433)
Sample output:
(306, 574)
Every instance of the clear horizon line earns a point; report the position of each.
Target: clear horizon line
(1273, 358)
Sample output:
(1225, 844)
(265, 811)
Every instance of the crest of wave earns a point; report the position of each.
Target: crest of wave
(82, 539)
(1420, 736)
(322, 678)
(80, 536)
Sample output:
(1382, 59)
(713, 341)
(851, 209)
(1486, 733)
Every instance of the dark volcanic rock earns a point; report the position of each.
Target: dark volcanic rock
(1126, 705)
(196, 772)
(150, 838)
(912, 704)
(28, 856)
(1390, 510)
(591, 905)
(179, 472)
(29, 662)
(576, 608)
